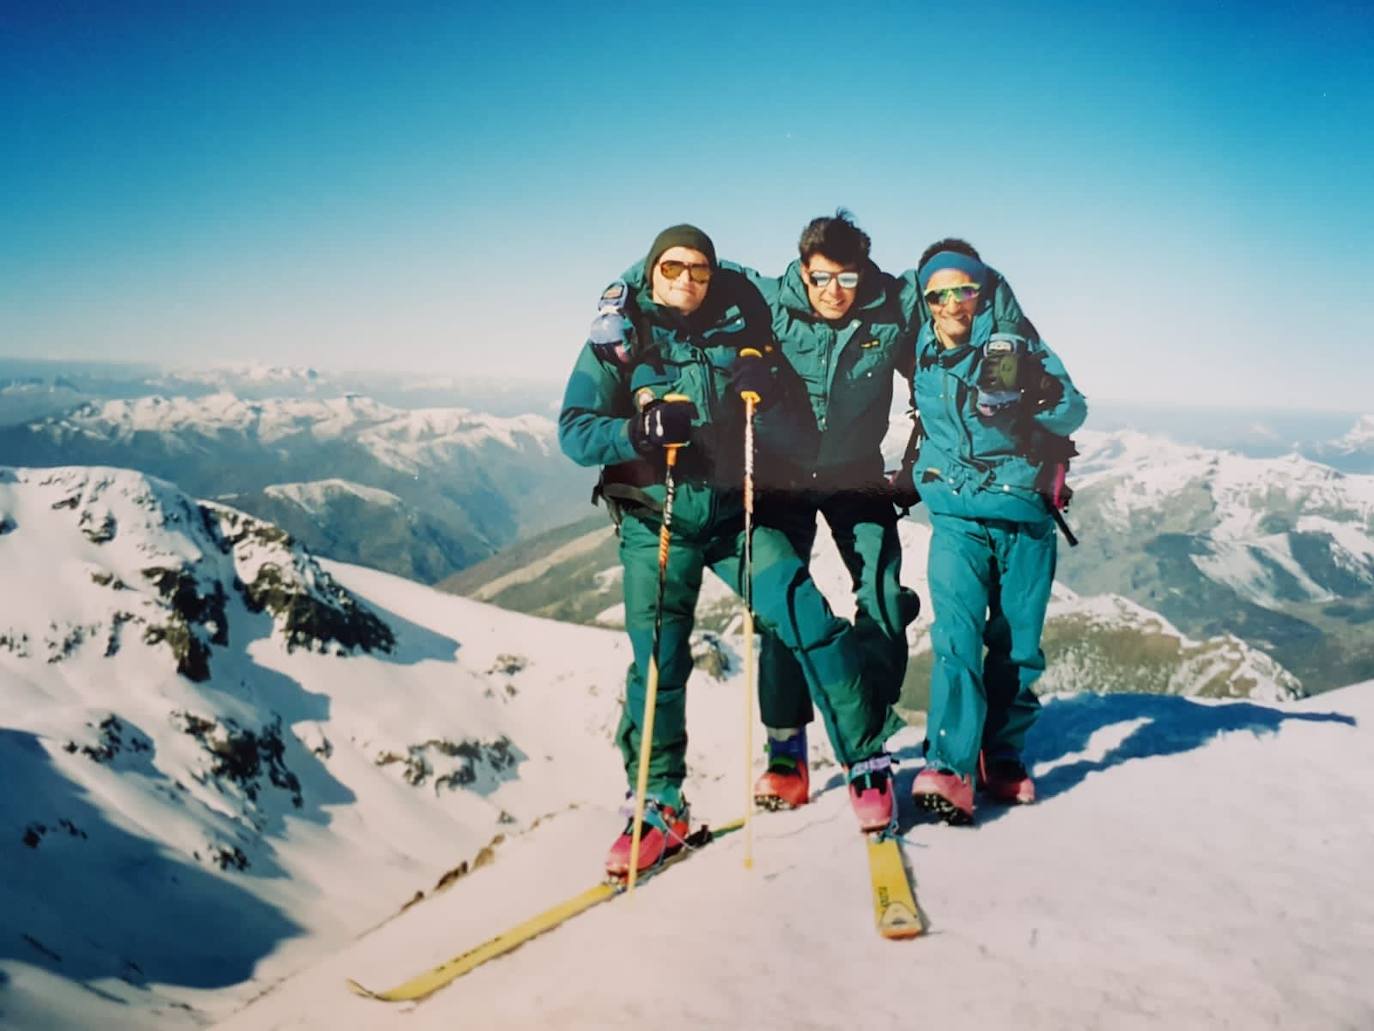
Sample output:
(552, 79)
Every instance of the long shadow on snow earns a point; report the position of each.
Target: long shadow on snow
(1171, 725)
(91, 900)
(1168, 725)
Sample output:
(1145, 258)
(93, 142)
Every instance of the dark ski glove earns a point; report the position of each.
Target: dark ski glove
(751, 373)
(902, 483)
(663, 423)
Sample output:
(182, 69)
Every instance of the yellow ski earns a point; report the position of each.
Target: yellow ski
(894, 905)
(426, 984)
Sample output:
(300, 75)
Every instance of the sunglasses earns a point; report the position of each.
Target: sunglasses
(672, 269)
(945, 294)
(847, 280)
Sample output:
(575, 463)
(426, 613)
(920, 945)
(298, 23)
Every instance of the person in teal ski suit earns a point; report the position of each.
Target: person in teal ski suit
(688, 338)
(845, 327)
(992, 406)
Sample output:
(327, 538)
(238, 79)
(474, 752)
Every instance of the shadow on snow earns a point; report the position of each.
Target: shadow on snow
(90, 899)
(1164, 725)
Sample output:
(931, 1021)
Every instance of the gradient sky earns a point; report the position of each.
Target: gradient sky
(1182, 194)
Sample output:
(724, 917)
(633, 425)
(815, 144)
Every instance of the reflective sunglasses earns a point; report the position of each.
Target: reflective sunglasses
(847, 280)
(672, 269)
(945, 294)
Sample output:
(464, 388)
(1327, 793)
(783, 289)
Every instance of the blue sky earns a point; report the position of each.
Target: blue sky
(1179, 193)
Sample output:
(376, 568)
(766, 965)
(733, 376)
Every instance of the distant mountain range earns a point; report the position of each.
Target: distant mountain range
(419, 492)
(1272, 545)
(1277, 551)
(1270, 561)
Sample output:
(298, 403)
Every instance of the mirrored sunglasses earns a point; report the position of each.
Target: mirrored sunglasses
(945, 294)
(847, 280)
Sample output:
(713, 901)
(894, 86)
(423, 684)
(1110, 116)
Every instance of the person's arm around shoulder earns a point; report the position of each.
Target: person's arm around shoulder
(1007, 315)
(1065, 408)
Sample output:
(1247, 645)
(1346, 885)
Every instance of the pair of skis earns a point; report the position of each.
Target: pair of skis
(894, 910)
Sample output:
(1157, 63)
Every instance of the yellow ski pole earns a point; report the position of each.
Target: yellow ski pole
(646, 729)
(750, 399)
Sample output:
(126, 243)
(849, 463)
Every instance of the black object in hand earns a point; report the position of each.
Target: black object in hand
(751, 374)
(662, 423)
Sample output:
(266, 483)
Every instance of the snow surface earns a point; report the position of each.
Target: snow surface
(1187, 866)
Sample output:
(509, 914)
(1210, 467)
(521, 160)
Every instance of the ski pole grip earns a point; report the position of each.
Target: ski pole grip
(750, 397)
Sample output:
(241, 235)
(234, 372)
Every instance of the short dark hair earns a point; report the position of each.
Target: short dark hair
(949, 243)
(837, 237)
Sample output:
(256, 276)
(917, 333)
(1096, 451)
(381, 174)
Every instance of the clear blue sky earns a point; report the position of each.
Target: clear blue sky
(1182, 194)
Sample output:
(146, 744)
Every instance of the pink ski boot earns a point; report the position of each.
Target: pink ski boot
(945, 793)
(870, 793)
(1003, 776)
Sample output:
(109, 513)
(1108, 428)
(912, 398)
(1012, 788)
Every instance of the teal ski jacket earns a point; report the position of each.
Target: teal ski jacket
(669, 354)
(985, 467)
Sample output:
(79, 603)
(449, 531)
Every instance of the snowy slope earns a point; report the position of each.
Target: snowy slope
(165, 833)
(1185, 868)
(164, 868)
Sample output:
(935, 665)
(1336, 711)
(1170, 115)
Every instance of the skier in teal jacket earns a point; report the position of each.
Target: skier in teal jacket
(845, 327)
(678, 343)
(994, 407)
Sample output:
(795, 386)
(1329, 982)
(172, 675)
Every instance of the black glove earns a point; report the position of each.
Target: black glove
(1042, 390)
(662, 423)
(751, 374)
(903, 487)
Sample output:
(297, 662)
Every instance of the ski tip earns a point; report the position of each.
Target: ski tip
(357, 989)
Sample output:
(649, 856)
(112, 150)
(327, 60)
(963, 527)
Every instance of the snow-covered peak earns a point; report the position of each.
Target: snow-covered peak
(110, 558)
(1142, 473)
(229, 375)
(316, 494)
(1359, 438)
(399, 437)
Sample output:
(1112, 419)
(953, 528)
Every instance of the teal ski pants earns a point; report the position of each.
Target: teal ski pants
(989, 589)
(786, 601)
(864, 526)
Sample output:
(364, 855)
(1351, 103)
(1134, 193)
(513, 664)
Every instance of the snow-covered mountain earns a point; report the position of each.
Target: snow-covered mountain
(1277, 551)
(447, 486)
(31, 389)
(1351, 452)
(209, 742)
(352, 751)
(1102, 642)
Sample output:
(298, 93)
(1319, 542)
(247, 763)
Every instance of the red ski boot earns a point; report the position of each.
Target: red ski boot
(786, 783)
(664, 831)
(1003, 776)
(945, 793)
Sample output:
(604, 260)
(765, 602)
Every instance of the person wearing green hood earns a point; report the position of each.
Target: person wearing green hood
(679, 340)
(845, 327)
(993, 405)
